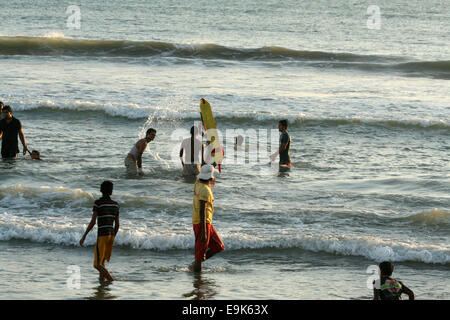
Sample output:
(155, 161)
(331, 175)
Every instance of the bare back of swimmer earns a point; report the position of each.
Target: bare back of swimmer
(133, 160)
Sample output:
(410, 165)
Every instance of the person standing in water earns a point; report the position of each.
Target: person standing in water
(285, 144)
(207, 240)
(106, 212)
(190, 151)
(388, 288)
(133, 160)
(10, 129)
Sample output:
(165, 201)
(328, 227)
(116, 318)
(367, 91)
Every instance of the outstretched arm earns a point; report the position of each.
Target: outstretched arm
(24, 143)
(139, 161)
(408, 291)
(141, 145)
(203, 154)
(376, 294)
(116, 225)
(89, 228)
(181, 155)
(204, 231)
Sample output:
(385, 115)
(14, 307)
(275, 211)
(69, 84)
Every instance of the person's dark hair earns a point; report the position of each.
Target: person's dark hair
(386, 268)
(151, 130)
(239, 140)
(7, 108)
(194, 131)
(284, 123)
(1, 104)
(35, 155)
(106, 188)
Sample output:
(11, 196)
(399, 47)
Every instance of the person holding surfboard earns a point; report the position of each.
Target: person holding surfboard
(191, 148)
(214, 153)
(285, 144)
(133, 161)
(207, 240)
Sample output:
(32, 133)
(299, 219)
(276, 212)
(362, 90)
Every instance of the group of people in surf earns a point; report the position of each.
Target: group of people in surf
(193, 153)
(195, 162)
(207, 240)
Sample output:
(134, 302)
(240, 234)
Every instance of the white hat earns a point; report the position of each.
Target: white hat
(206, 172)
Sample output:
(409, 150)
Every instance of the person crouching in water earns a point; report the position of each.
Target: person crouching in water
(106, 211)
(207, 240)
(133, 160)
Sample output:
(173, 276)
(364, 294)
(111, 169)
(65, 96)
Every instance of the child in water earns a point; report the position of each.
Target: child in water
(388, 288)
(35, 155)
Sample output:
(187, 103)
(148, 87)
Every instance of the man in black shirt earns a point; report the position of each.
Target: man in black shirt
(10, 129)
(285, 143)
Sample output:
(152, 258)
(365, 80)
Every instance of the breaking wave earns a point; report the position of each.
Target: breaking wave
(62, 46)
(134, 111)
(67, 234)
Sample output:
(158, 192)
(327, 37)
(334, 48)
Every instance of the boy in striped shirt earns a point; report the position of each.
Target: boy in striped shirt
(106, 211)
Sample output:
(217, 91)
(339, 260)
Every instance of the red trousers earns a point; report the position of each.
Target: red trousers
(213, 242)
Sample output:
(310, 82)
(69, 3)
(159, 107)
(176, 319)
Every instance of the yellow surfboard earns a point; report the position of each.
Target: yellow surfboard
(212, 134)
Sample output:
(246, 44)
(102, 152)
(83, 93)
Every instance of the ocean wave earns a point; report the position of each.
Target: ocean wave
(67, 234)
(428, 217)
(22, 198)
(434, 69)
(55, 197)
(435, 219)
(376, 249)
(58, 45)
(19, 196)
(134, 111)
(425, 66)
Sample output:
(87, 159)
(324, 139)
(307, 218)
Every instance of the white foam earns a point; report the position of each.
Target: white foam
(66, 231)
(173, 112)
(114, 109)
(376, 249)
(56, 35)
